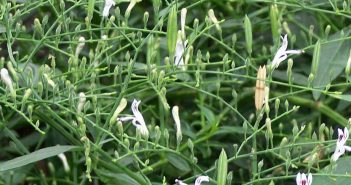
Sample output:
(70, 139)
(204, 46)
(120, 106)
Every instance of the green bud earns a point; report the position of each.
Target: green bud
(259, 166)
(157, 134)
(146, 18)
(121, 106)
(327, 30)
(276, 106)
(286, 105)
(38, 28)
(166, 136)
(245, 128)
(40, 88)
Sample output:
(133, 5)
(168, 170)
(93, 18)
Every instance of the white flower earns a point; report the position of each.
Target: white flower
(180, 48)
(198, 180)
(301, 179)
(340, 144)
(81, 102)
(107, 7)
(282, 53)
(64, 162)
(137, 119)
(201, 179)
(175, 113)
(5, 77)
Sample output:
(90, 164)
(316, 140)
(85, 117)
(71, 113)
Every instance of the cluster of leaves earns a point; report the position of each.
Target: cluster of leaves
(129, 55)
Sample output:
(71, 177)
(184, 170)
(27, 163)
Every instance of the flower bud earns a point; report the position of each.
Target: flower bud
(121, 106)
(81, 102)
(146, 18)
(175, 113)
(5, 77)
(214, 20)
(80, 46)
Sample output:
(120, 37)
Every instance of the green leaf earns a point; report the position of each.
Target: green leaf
(172, 31)
(222, 168)
(179, 163)
(248, 34)
(91, 4)
(210, 116)
(115, 178)
(335, 174)
(332, 60)
(34, 157)
(345, 97)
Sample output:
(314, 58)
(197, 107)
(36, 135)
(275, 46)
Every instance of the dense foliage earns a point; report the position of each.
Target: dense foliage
(162, 92)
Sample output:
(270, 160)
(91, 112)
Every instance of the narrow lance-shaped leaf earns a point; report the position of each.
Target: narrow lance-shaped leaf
(34, 157)
(91, 4)
(248, 34)
(172, 31)
(222, 168)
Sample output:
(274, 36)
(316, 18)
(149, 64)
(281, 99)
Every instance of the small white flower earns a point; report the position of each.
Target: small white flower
(64, 162)
(302, 179)
(137, 119)
(175, 113)
(340, 144)
(81, 102)
(182, 21)
(198, 180)
(282, 53)
(5, 77)
(201, 179)
(107, 7)
(180, 48)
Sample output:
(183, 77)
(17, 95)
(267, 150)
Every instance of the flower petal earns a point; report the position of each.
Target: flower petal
(309, 180)
(201, 179)
(298, 178)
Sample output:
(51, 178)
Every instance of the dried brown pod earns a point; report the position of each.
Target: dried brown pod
(260, 87)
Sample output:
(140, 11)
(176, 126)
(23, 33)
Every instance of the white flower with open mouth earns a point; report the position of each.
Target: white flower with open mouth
(340, 144)
(137, 119)
(198, 180)
(282, 53)
(107, 7)
(302, 179)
